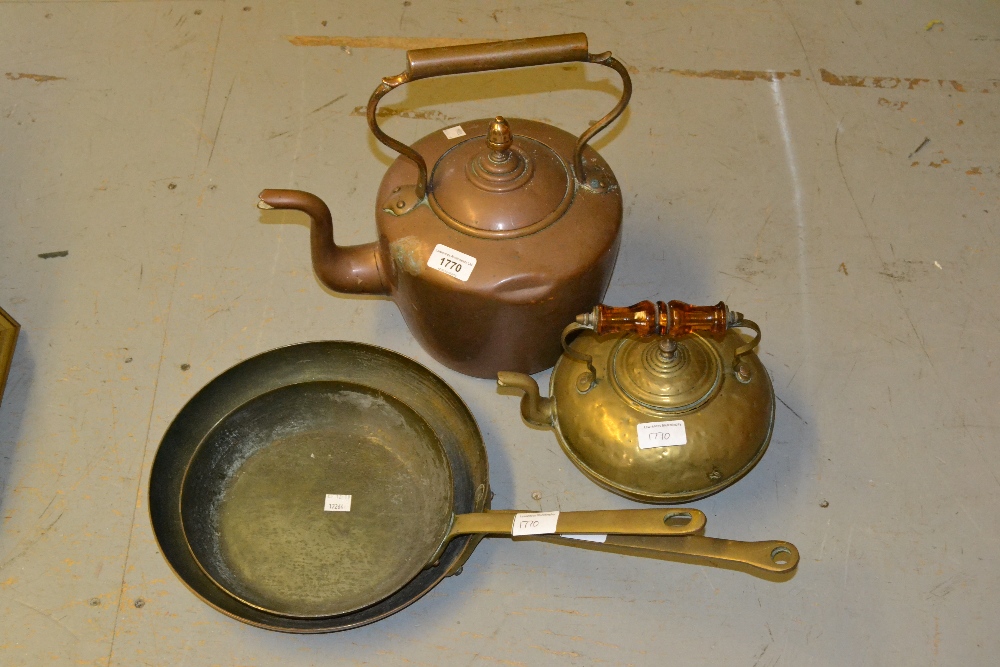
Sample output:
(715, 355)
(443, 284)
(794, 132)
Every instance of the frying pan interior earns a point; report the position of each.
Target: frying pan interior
(253, 500)
(388, 374)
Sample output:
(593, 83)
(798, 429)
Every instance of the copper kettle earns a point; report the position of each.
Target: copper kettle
(492, 234)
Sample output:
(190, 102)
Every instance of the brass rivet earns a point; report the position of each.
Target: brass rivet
(743, 372)
(400, 204)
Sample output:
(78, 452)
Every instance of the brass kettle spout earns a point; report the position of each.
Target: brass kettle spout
(535, 409)
(354, 269)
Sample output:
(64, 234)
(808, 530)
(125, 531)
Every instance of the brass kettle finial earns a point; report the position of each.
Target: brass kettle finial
(499, 140)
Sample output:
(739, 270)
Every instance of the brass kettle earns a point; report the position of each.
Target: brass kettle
(660, 403)
(492, 234)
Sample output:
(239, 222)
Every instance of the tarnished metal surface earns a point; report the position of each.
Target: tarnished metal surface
(539, 212)
(765, 161)
(319, 419)
(252, 512)
(253, 499)
(604, 387)
(772, 557)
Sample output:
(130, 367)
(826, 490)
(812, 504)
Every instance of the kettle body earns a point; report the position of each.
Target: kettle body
(492, 234)
(522, 288)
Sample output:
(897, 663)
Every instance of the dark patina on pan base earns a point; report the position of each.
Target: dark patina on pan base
(318, 368)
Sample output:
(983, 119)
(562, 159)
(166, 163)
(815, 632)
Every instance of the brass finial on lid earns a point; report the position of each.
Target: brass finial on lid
(499, 140)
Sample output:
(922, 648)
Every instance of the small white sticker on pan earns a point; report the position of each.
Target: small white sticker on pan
(448, 260)
(588, 538)
(454, 132)
(534, 523)
(662, 434)
(335, 503)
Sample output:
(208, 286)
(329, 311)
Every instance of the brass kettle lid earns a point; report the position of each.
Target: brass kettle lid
(507, 184)
(666, 374)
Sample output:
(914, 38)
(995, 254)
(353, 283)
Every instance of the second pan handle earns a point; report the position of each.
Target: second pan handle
(675, 521)
(774, 556)
(426, 63)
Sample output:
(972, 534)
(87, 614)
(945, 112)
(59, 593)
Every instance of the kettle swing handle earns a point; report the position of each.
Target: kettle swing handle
(441, 61)
(646, 318)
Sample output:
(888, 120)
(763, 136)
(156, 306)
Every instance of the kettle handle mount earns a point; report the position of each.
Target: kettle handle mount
(440, 61)
(666, 320)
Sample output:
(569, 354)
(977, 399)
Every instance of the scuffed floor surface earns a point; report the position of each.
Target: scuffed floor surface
(830, 169)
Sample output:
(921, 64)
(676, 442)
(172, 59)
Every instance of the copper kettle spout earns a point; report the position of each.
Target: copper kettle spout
(353, 269)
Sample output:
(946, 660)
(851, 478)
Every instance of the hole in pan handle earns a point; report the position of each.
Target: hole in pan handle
(773, 556)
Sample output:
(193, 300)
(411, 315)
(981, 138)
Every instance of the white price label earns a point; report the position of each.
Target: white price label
(588, 538)
(454, 132)
(534, 523)
(662, 434)
(448, 260)
(335, 503)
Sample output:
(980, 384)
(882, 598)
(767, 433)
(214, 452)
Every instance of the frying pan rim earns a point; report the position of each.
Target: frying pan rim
(225, 589)
(461, 547)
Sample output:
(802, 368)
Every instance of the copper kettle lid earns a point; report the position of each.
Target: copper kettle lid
(500, 182)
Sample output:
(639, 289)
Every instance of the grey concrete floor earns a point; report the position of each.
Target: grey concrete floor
(769, 158)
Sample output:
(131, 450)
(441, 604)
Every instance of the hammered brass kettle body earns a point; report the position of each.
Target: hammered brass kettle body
(492, 234)
(660, 403)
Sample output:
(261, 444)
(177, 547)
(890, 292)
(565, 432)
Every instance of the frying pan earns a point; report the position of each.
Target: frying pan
(239, 484)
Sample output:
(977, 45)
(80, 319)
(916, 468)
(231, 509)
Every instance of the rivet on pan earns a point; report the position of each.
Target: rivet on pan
(400, 204)
(139, 603)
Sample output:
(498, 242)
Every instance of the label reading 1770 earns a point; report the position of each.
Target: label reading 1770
(534, 523)
(448, 260)
(662, 434)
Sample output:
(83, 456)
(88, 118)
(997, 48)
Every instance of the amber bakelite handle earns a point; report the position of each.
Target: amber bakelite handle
(647, 318)
(440, 61)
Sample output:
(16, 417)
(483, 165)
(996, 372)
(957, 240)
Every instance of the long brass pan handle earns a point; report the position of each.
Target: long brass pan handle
(441, 61)
(774, 556)
(674, 521)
